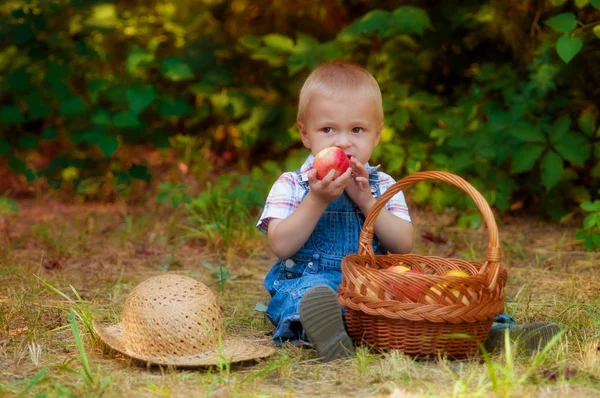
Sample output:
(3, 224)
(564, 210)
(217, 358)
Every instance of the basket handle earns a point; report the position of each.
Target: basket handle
(493, 255)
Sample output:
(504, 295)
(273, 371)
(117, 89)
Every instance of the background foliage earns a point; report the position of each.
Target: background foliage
(504, 93)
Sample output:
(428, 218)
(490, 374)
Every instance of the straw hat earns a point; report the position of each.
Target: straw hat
(176, 320)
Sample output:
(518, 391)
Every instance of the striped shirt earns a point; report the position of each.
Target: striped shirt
(287, 193)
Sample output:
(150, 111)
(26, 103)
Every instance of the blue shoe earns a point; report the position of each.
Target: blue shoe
(321, 318)
(530, 337)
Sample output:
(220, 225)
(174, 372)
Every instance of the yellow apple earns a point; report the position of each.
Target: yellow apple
(398, 268)
(456, 272)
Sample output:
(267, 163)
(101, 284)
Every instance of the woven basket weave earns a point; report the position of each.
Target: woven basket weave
(428, 313)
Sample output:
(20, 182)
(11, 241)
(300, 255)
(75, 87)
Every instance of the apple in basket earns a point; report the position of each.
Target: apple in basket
(331, 158)
(436, 289)
(401, 269)
(369, 291)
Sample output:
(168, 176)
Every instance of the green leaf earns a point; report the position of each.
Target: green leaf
(140, 172)
(28, 141)
(564, 22)
(560, 127)
(138, 58)
(526, 156)
(552, 168)
(73, 107)
(596, 239)
(17, 165)
(367, 25)
(38, 109)
(175, 69)
(58, 89)
(581, 194)
(596, 4)
(567, 47)
(94, 88)
(126, 120)
(401, 117)
(596, 30)
(574, 147)
(295, 63)
(279, 42)
(461, 161)
(103, 16)
(4, 147)
(101, 118)
(590, 221)
(173, 106)
(251, 42)
(8, 206)
(419, 119)
(581, 234)
(57, 70)
(589, 243)
(399, 90)
(221, 75)
(17, 82)
(108, 144)
(408, 20)
(581, 3)
(425, 99)
(587, 122)
(528, 132)
(11, 115)
(591, 206)
(139, 97)
(269, 55)
(163, 196)
(305, 42)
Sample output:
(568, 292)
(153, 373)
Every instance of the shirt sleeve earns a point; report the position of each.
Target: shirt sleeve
(281, 201)
(397, 204)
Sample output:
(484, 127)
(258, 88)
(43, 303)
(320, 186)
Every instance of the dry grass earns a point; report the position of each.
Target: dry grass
(103, 251)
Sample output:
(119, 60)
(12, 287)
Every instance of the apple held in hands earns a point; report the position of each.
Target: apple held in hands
(331, 158)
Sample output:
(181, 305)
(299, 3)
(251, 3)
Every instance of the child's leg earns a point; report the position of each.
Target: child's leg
(284, 308)
(321, 317)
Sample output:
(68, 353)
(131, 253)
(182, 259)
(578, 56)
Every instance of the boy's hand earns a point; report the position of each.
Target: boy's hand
(327, 189)
(358, 189)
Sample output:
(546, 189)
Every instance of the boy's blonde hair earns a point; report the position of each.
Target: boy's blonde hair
(337, 77)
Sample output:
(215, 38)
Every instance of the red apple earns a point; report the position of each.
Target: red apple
(401, 269)
(415, 289)
(331, 158)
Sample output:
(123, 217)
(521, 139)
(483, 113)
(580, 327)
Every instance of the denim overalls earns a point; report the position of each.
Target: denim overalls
(318, 262)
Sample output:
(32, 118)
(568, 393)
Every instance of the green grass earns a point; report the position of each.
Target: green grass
(48, 347)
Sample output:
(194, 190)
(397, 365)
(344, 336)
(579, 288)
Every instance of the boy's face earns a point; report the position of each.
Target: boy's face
(350, 123)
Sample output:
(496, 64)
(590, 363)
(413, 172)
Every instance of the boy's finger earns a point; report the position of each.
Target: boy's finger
(312, 176)
(359, 168)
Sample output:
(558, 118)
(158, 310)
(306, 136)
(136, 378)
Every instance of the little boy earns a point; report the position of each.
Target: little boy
(312, 224)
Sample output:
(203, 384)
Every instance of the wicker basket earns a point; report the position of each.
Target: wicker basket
(428, 313)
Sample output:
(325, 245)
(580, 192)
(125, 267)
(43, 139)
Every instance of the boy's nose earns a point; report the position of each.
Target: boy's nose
(342, 141)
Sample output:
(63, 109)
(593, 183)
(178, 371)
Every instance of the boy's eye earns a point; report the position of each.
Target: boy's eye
(357, 130)
(327, 129)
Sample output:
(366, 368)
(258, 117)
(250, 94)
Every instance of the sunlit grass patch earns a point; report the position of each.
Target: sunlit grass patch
(39, 352)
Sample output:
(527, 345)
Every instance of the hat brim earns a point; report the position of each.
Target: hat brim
(232, 350)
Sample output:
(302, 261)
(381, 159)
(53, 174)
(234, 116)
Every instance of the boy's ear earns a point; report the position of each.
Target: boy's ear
(379, 133)
(303, 134)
